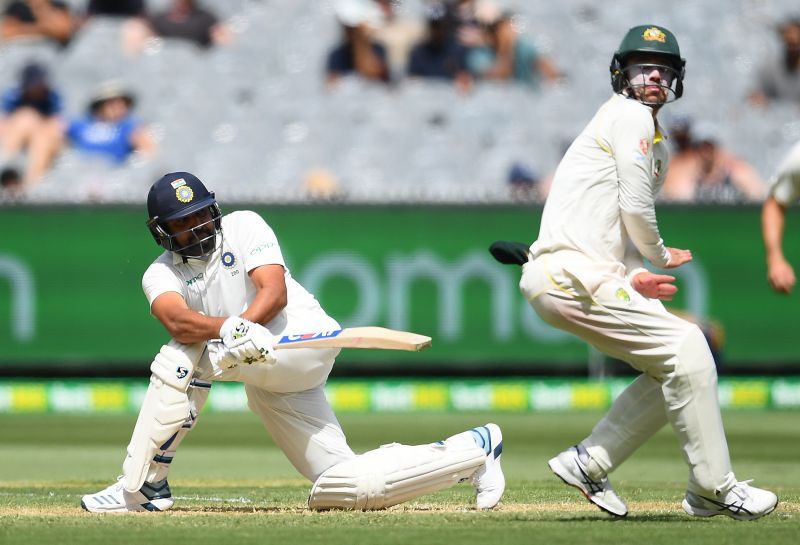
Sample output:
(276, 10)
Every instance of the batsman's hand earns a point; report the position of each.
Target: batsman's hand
(655, 286)
(248, 342)
(677, 258)
(220, 356)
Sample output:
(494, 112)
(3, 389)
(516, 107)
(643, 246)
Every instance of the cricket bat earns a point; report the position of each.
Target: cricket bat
(357, 337)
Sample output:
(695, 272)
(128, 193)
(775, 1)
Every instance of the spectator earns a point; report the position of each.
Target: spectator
(779, 77)
(38, 19)
(524, 183)
(397, 34)
(10, 181)
(440, 55)
(117, 8)
(184, 20)
(507, 55)
(109, 130)
(357, 54)
(707, 172)
(31, 122)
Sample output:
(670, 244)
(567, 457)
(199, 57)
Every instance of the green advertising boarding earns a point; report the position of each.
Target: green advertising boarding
(70, 284)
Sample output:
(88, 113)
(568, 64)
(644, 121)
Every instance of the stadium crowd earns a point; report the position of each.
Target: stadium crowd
(360, 100)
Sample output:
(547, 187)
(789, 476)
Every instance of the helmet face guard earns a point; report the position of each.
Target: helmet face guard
(182, 196)
(660, 45)
(634, 80)
(198, 241)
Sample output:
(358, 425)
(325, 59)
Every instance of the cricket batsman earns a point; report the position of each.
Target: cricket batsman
(585, 275)
(224, 277)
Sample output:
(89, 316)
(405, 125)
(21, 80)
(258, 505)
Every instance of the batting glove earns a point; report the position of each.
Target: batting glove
(247, 342)
(220, 356)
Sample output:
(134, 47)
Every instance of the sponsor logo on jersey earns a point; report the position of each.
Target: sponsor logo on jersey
(261, 247)
(286, 339)
(195, 279)
(184, 193)
(644, 145)
(178, 183)
(228, 260)
(654, 34)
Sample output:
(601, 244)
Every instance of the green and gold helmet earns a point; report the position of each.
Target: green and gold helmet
(652, 39)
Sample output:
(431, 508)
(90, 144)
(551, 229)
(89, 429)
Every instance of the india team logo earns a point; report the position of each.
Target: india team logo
(228, 260)
(654, 34)
(184, 193)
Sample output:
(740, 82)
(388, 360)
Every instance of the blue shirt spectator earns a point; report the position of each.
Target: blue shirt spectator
(111, 139)
(109, 130)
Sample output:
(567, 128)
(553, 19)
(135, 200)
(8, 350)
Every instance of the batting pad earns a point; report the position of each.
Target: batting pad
(164, 410)
(393, 474)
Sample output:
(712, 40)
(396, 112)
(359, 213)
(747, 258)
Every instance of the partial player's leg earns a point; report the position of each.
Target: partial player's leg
(397, 473)
(606, 312)
(168, 412)
(636, 414)
(304, 426)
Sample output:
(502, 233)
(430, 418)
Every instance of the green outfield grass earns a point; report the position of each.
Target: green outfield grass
(234, 487)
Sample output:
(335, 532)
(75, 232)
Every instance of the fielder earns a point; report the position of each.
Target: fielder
(585, 276)
(221, 278)
(784, 191)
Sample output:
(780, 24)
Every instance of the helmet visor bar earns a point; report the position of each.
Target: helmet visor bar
(197, 241)
(652, 84)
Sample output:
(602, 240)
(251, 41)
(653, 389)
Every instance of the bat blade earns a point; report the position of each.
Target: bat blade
(357, 337)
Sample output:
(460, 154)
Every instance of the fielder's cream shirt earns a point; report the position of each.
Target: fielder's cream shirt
(603, 191)
(785, 185)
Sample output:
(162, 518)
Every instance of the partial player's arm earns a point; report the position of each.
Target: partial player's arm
(632, 141)
(271, 297)
(184, 324)
(780, 273)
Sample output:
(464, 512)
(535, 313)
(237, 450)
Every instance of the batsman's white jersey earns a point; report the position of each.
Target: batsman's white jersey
(598, 222)
(785, 185)
(288, 395)
(220, 286)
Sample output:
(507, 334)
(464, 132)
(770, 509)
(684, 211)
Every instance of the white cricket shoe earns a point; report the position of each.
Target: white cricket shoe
(488, 480)
(570, 467)
(115, 499)
(742, 502)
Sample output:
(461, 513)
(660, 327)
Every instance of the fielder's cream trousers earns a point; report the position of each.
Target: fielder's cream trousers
(679, 381)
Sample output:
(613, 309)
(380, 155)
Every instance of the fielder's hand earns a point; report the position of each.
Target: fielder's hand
(677, 258)
(247, 342)
(654, 286)
(781, 275)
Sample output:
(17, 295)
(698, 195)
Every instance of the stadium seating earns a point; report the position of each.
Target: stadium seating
(254, 117)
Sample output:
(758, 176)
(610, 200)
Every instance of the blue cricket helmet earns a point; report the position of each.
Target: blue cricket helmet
(178, 195)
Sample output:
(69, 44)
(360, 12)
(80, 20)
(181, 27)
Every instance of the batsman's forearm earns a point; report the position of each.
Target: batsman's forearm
(189, 327)
(772, 224)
